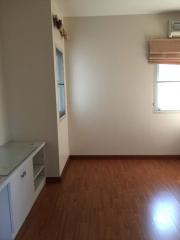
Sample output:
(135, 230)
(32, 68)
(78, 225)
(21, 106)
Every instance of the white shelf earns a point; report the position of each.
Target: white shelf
(39, 180)
(37, 170)
(39, 187)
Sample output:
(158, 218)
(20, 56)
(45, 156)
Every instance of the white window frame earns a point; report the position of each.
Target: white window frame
(155, 94)
(58, 87)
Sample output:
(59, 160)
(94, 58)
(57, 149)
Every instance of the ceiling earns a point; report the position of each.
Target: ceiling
(116, 7)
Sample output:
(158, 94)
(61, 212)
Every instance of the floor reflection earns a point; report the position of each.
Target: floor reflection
(165, 214)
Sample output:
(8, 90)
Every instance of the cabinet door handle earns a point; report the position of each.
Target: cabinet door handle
(23, 174)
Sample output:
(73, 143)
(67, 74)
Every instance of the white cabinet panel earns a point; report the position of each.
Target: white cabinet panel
(5, 220)
(22, 192)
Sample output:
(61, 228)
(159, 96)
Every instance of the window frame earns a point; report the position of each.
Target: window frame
(155, 93)
(59, 84)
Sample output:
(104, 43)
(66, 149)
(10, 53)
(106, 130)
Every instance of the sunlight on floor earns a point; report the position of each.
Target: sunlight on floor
(165, 212)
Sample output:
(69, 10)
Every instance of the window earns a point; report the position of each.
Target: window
(167, 96)
(60, 83)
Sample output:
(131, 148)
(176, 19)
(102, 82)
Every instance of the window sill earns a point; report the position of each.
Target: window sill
(166, 111)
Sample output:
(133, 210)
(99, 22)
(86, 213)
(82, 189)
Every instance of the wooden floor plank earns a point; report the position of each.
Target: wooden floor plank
(109, 200)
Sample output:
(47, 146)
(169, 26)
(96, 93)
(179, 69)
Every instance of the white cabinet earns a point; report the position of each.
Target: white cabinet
(22, 177)
(21, 193)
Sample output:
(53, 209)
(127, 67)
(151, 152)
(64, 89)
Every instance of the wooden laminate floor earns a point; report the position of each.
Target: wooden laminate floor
(109, 200)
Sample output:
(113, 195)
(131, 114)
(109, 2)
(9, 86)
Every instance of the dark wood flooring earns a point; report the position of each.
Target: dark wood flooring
(109, 200)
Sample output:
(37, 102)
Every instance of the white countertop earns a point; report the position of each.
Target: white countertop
(14, 154)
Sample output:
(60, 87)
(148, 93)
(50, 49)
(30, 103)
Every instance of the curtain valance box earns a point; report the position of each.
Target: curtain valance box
(164, 51)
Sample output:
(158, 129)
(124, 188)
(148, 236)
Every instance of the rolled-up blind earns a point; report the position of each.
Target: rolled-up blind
(164, 51)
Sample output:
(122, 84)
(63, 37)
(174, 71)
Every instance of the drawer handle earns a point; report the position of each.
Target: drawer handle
(23, 174)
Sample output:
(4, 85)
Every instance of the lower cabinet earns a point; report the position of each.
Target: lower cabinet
(21, 194)
(19, 190)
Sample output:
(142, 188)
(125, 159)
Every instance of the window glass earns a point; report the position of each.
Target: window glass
(169, 72)
(167, 96)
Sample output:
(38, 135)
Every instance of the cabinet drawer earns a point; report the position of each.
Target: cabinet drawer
(21, 194)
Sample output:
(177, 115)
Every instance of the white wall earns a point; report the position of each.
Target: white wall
(63, 137)
(4, 133)
(111, 87)
(29, 73)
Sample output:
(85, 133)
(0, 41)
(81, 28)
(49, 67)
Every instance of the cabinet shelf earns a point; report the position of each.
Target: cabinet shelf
(40, 178)
(37, 170)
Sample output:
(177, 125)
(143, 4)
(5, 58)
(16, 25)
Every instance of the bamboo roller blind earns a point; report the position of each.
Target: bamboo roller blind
(164, 51)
